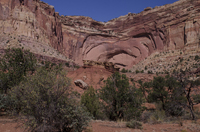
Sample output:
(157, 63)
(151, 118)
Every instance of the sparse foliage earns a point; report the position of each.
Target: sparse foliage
(14, 66)
(134, 124)
(120, 100)
(124, 70)
(188, 88)
(47, 103)
(176, 93)
(158, 92)
(90, 100)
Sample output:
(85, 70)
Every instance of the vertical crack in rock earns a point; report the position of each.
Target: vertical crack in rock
(185, 36)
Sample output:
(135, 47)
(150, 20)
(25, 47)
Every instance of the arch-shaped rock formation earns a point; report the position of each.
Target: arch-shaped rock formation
(124, 41)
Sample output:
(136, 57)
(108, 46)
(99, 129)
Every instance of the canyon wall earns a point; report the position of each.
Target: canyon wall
(124, 41)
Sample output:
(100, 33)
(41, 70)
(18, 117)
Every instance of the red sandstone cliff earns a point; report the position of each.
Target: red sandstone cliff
(124, 41)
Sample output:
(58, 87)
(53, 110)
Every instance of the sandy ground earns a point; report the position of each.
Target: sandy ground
(188, 126)
(10, 125)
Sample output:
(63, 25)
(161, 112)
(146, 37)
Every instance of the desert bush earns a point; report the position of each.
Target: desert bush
(124, 70)
(67, 64)
(158, 92)
(46, 103)
(14, 66)
(164, 91)
(157, 117)
(196, 58)
(181, 60)
(146, 116)
(77, 67)
(137, 71)
(150, 72)
(134, 124)
(6, 103)
(90, 100)
(119, 99)
(175, 93)
(174, 110)
(196, 98)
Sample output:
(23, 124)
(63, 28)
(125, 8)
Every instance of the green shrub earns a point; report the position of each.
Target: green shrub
(132, 80)
(157, 117)
(158, 93)
(53, 64)
(5, 103)
(166, 72)
(46, 102)
(196, 58)
(14, 66)
(90, 100)
(134, 124)
(196, 98)
(67, 64)
(77, 67)
(150, 72)
(119, 99)
(124, 70)
(181, 60)
(137, 71)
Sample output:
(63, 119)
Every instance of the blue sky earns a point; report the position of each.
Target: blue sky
(103, 10)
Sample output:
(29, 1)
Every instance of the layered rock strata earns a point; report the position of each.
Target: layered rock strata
(124, 41)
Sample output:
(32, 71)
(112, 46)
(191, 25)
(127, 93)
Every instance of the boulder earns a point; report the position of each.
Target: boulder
(80, 83)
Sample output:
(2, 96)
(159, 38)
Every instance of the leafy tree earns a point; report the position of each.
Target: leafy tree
(124, 70)
(46, 101)
(144, 87)
(90, 100)
(119, 99)
(188, 89)
(159, 91)
(14, 66)
(175, 92)
(164, 90)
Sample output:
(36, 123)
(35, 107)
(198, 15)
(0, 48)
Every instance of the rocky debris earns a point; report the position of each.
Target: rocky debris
(93, 76)
(147, 9)
(170, 62)
(80, 83)
(124, 41)
(84, 77)
(107, 65)
(43, 58)
(197, 71)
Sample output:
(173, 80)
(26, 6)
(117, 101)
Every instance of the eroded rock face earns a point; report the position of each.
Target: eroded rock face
(129, 39)
(33, 19)
(124, 41)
